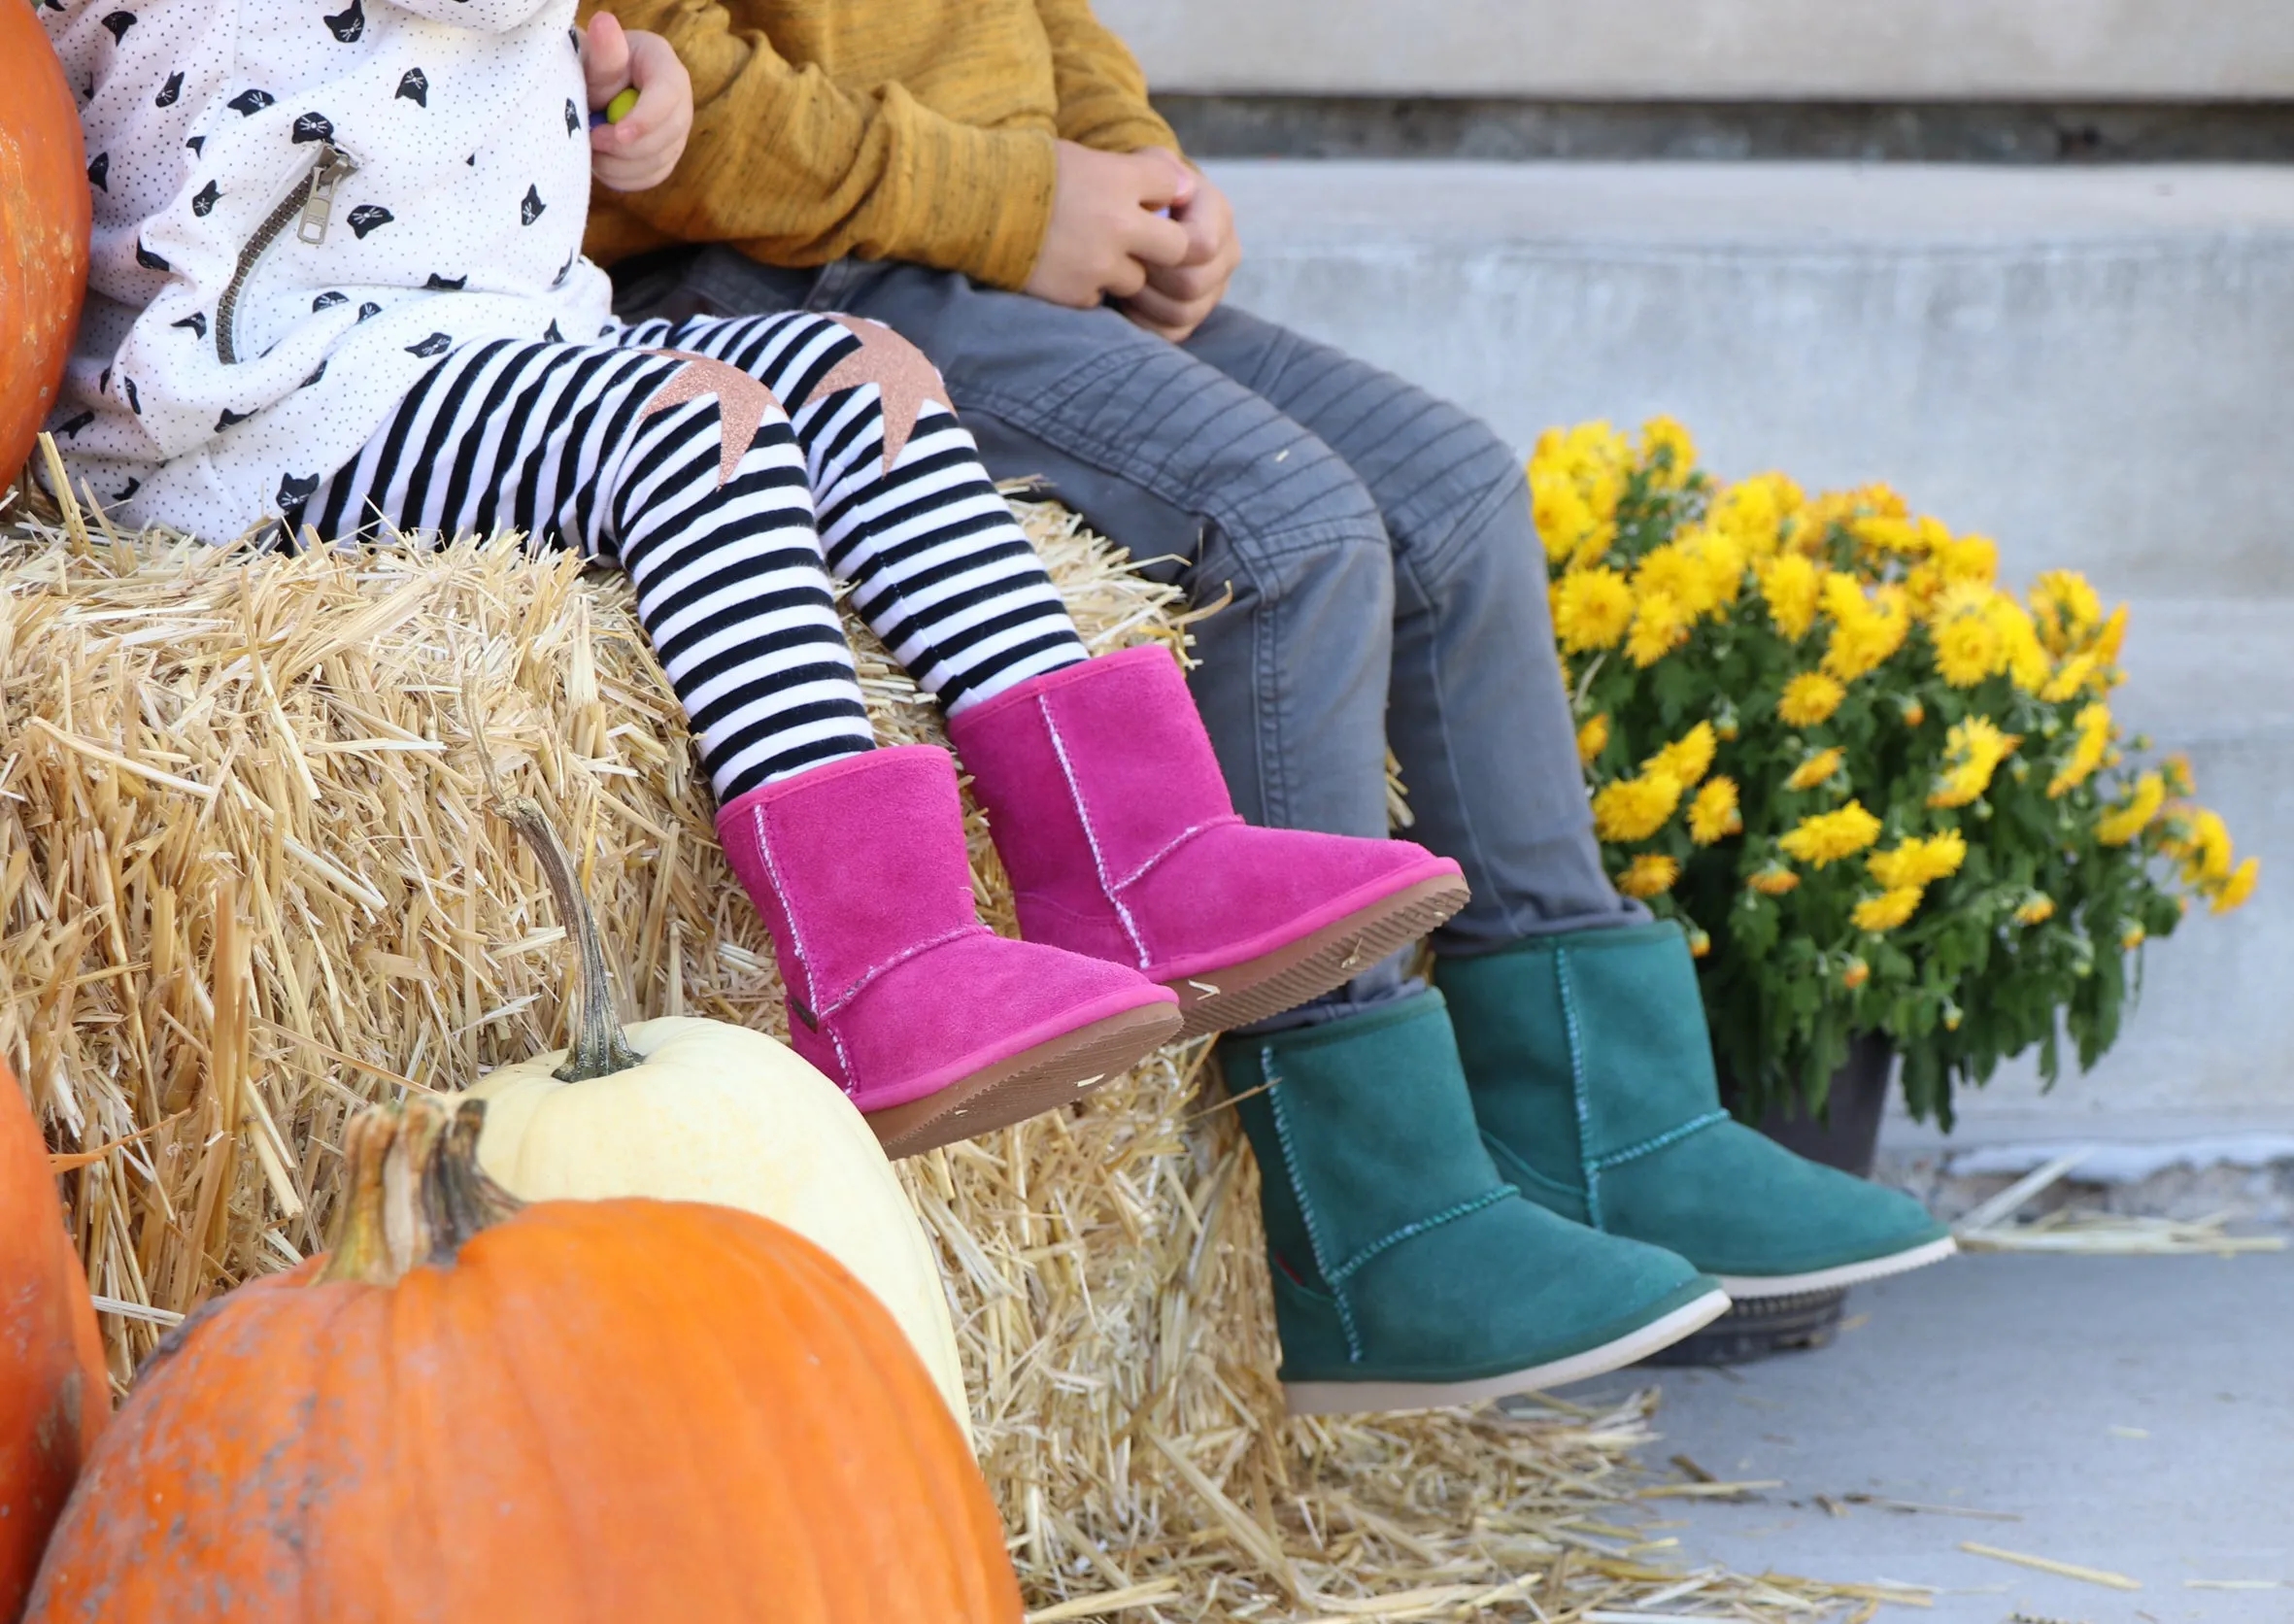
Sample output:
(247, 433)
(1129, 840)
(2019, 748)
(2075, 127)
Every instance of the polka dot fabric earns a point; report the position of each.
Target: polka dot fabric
(301, 208)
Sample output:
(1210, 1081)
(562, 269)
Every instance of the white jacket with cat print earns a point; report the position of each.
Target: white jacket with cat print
(298, 210)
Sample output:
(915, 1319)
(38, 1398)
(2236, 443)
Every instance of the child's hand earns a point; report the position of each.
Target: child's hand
(1177, 297)
(1105, 235)
(642, 148)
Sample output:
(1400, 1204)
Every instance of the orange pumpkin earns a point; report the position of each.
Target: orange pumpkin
(53, 1392)
(630, 1409)
(43, 222)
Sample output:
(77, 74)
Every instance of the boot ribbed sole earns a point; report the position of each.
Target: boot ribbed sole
(1027, 1084)
(1316, 963)
(1358, 1397)
(1754, 1287)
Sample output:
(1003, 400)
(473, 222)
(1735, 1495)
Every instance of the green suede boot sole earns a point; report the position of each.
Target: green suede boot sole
(1591, 1072)
(1407, 1274)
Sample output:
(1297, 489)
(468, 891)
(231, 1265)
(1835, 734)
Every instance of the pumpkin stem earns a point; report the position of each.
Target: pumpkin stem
(416, 1190)
(598, 1050)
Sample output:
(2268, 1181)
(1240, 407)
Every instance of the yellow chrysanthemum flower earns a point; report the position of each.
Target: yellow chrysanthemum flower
(1699, 943)
(2066, 608)
(1754, 511)
(1809, 699)
(2086, 752)
(1648, 875)
(1591, 609)
(1667, 451)
(2114, 634)
(1918, 862)
(1676, 571)
(1829, 836)
(1628, 809)
(1969, 557)
(1886, 532)
(1774, 881)
(1889, 909)
(2205, 849)
(1564, 519)
(1968, 647)
(1592, 739)
(1914, 712)
(1856, 974)
(2038, 911)
(1791, 586)
(2238, 888)
(1722, 559)
(1660, 625)
(1714, 815)
(2024, 658)
(2124, 825)
(1864, 632)
(2177, 768)
(1972, 750)
(2071, 681)
(1687, 759)
(1816, 769)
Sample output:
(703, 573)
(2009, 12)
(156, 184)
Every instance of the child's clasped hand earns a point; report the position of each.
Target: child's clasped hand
(640, 148)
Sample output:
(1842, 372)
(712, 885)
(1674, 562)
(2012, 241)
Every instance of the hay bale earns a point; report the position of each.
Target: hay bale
(249, 886)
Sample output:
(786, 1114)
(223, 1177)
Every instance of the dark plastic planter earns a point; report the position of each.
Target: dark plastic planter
(1845, 1136)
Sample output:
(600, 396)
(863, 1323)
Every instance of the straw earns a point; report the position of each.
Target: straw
(248, 883)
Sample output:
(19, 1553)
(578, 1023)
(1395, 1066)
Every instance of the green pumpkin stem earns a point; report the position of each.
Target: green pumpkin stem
(598, 1049)
(416, 1191)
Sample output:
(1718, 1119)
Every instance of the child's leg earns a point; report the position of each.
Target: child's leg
(1106, 803)
(558, 440)
(939, 568)
(686, 473)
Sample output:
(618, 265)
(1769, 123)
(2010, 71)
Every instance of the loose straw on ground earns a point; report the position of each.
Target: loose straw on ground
(248, 884)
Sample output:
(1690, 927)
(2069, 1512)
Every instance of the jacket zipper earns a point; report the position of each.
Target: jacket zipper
(309, 204)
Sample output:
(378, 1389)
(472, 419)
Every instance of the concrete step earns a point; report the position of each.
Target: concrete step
(1717, 49)
(2089, 366)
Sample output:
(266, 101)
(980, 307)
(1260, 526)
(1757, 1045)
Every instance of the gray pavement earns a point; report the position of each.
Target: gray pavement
(2134, 1414)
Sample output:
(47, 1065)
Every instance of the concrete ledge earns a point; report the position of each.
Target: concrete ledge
(2089, 364)
(1658, 50)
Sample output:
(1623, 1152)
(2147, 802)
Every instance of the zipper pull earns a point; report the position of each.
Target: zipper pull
(334, 166)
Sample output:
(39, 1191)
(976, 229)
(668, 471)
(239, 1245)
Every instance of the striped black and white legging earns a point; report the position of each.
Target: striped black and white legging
(636, 459)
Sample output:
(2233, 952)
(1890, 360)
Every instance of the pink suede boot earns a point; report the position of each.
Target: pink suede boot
(1122, 842)
(936, 1027)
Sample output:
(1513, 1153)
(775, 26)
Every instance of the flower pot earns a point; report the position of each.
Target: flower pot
(1846, 1137)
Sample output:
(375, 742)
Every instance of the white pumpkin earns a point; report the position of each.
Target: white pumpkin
(692, 1111)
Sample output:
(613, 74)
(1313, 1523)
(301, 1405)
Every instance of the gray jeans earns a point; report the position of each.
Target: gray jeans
(1383, 580)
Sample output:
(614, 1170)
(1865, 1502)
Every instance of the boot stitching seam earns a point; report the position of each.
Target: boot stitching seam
(1290, 1165)
(1658, 1141)
(804, 965)
(1180, 839)
(1588, 1166)
(1417, 1226)
(868, 976)
(1082, 815)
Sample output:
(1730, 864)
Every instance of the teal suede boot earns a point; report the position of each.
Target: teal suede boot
(1592, 1076)
(1407, 1273)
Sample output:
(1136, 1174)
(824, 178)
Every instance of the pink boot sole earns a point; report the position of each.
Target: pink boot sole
(1213, 999)
(1037, 1079)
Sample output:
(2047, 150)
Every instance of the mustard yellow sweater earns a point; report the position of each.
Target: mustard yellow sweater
(891, 129)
